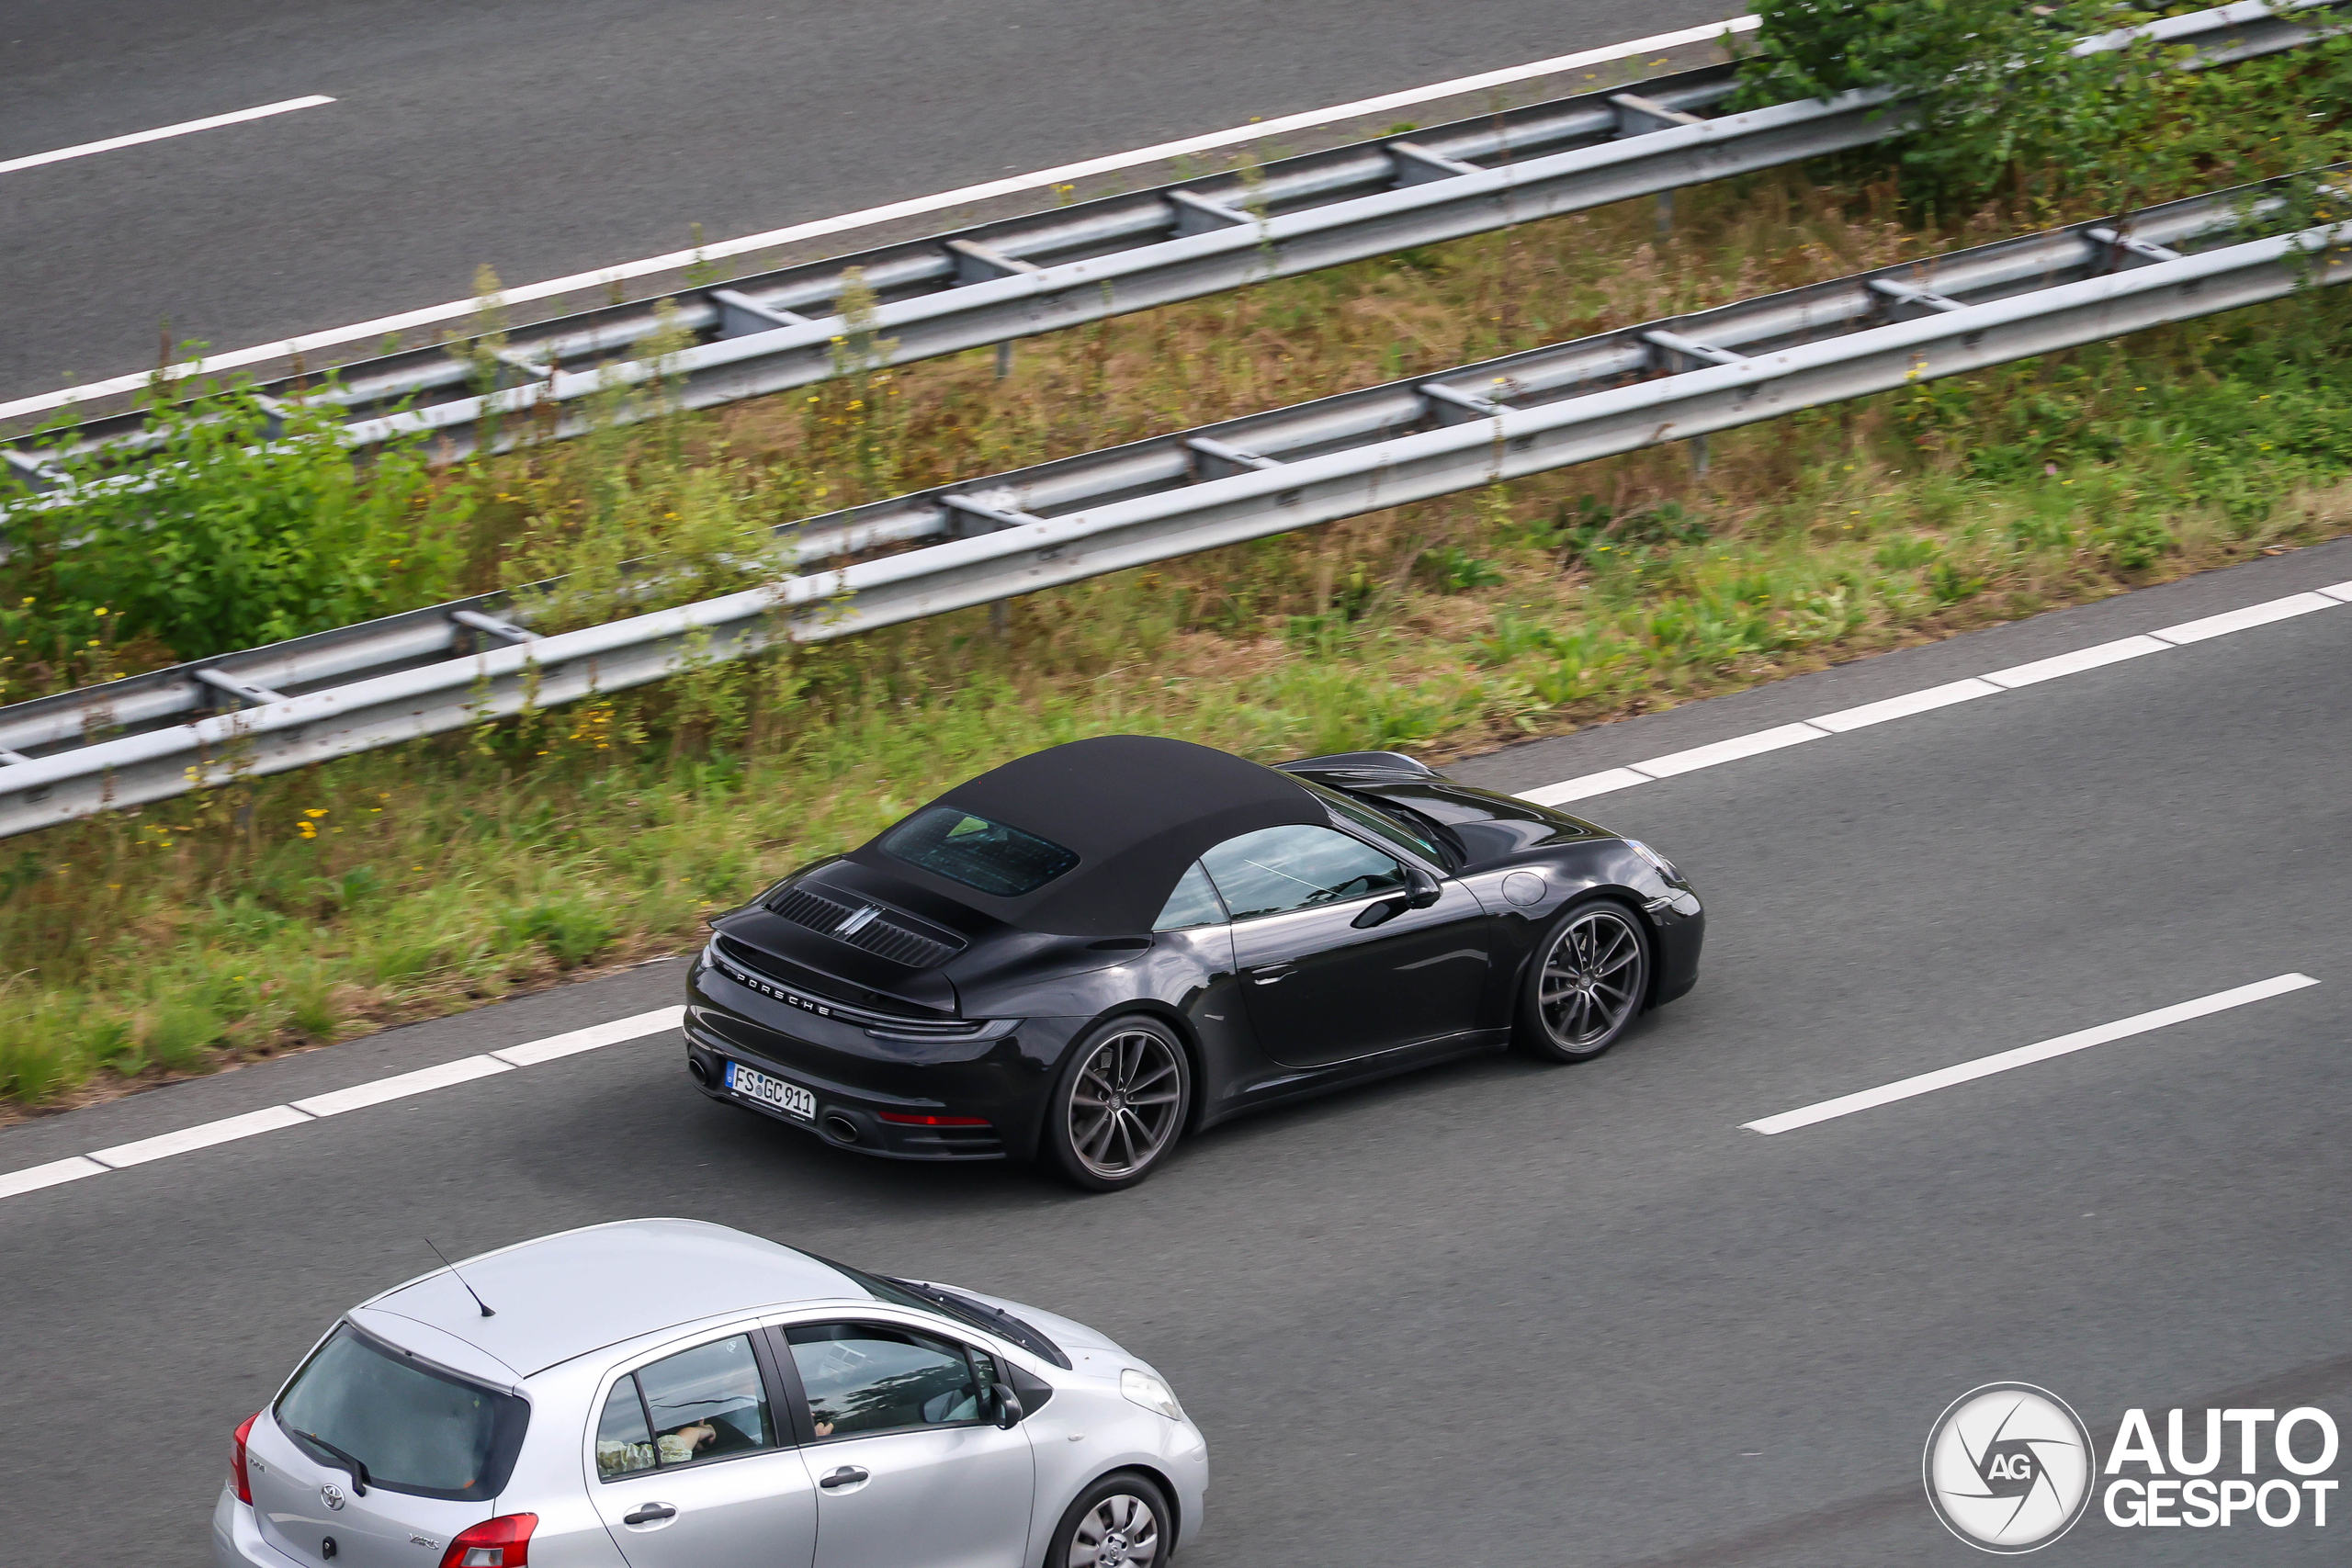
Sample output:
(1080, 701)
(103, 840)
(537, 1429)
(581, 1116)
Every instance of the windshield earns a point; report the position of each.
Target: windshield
(932, 1298)
(417, 1428)
(976, 852)
(1395, 826)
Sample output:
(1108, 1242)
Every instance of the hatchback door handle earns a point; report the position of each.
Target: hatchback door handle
(1274, 972)
(647, 1514)
(847, 1475)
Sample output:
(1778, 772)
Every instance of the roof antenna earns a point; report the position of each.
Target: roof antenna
(461, 1280)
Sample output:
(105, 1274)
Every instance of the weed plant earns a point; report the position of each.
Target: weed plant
(423, 877)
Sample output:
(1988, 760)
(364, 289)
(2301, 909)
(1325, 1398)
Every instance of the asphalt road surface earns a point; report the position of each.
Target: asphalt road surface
(549, 137)
(1497, 1313)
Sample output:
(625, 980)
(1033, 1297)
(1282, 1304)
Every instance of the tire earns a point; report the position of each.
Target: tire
(1586, 984)
(1121, 1521)
(1119, 1105)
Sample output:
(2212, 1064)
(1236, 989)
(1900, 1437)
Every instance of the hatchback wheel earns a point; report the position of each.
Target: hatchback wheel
(1121, 1521)
(1587, 984)
(1119, 1104)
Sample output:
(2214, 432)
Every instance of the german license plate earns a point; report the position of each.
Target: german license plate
(768, 1090)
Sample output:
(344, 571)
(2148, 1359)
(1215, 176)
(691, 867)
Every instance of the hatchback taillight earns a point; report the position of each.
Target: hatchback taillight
(237, 1458)
(502, 1542)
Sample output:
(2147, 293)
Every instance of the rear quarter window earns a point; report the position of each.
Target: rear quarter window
(417, 1429)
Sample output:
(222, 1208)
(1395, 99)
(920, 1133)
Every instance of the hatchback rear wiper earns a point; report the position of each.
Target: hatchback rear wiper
(357, 1467)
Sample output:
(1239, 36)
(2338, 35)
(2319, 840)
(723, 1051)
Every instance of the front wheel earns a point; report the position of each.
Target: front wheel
(1121, 1521)
(1119, 1104)
(1586, 987)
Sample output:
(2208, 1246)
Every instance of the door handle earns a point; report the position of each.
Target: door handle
(847, 1475)
(647, 1514)
(1272, 971)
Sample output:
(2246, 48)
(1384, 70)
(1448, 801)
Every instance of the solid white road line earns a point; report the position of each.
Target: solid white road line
(531, 1054)
(455, 309)
(359, 1096)
(200, 1138)
(1992, 683)
(1984, 1066)
(11, 165)
(48, 1175)
(401, 1086)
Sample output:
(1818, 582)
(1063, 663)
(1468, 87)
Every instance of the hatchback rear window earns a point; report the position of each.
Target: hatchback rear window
(416, 1427)
(977, 853)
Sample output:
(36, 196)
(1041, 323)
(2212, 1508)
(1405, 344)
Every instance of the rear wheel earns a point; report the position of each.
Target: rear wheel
(1586, 985)
(1121, 1521)
(1119, 1104)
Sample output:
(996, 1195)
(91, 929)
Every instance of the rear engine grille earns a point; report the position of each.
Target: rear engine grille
(882, 933)
(748, 967)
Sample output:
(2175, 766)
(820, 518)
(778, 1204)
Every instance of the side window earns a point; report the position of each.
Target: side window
(1278, 869)
(624, 1442)
(705, 1403)
(1194, 903)
(864, 1377)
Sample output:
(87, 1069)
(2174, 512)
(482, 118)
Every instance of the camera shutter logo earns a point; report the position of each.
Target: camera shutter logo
(2009, 1467)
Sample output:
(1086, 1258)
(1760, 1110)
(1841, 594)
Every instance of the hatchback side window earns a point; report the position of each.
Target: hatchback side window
(1276, 870)
(706, 1403)
(865, 1377)
(1194, 903)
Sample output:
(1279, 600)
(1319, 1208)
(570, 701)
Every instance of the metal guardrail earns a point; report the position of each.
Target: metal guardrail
(1671, 380)
(1001, 281)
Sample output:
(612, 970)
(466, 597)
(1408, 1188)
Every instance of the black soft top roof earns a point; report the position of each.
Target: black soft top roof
(1137, 809)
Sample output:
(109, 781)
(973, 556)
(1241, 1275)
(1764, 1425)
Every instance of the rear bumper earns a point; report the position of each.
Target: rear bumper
(1002, 1079)
(236, 1538)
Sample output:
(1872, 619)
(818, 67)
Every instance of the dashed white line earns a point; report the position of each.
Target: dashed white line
(401, 1086)
(2074, 663)
(2241, 620)
(774, 239)
(1905, 705)
(209, 122)
(49, 1175)
(537, 1051)
(2001, 1062)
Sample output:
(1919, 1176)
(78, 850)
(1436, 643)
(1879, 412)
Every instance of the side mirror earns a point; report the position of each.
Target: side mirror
(1008, 1405)
(1426, 890)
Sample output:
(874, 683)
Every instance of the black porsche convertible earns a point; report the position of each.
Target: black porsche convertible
(1085, 954)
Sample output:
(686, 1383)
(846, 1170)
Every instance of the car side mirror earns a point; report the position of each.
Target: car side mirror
(1009, 1412)
(1426, 890)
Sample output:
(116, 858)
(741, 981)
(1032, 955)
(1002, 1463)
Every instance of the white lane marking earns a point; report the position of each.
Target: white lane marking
(2239, 620)
(2001, 1062)
(401, 1086)
(589, 1039)
(2074, 663)
(1611, 780)
(455, 309)
(199, 1137)
(1590, 783)
(1730, 750)
(11, 165)
(1905, 705)
(49, 1175)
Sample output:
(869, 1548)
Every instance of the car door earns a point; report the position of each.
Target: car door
(1328, 978)
(694, 1469)
(910, 1462)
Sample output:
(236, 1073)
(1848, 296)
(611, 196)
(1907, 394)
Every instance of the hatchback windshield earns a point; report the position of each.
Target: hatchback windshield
(416, 1429)
(977, 853)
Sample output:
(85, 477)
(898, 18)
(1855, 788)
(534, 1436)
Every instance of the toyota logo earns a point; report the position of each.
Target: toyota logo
(331, 1494)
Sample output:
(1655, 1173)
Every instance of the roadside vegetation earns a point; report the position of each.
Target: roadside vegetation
(299, 908)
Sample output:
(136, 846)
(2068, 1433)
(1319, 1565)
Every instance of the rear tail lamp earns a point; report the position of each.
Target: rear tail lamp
(901, 1119)
(502, 1542)
(237, 1458)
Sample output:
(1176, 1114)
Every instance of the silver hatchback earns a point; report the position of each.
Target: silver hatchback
(666, 1393)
